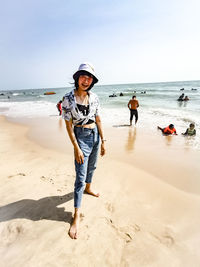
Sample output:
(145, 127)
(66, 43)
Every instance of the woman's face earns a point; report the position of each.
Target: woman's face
(84, 82)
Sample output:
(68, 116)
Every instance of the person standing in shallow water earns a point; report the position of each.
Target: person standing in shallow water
(133, 104)
(59, 107)
(81, 113)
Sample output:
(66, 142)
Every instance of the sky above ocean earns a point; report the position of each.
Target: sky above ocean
(42, 43)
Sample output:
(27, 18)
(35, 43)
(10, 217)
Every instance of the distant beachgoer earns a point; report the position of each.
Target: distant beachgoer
(121, 94)
(191, 130)
(181, 89)
(83, 124)
(133, 104)
(59, 107)
(186, 98)
(113, 95)
(168, 130)
(181, 97)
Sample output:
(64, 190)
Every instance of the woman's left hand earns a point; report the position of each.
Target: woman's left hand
(103, 150)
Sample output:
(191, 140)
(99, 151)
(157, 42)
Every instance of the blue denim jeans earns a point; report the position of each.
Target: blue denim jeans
(88, 140)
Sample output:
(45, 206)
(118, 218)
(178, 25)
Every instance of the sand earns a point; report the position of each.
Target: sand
(145, 216)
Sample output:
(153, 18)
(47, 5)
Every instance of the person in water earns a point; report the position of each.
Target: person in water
(133, 104)
(181, 97)
(191, 130)
(186, 98)
(59, 107)
(168, 130)
(113, 95)
(83, 123)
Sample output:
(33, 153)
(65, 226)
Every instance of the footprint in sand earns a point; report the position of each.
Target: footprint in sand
(10, 233)
(136, 227)
(82, 217)
(18, 174)
(50, 180)
(110, 207)
(46, 179)
(128, 237)
(165, 239)
(129, 231)
(61, 189)
(121, 231)
(43, 178)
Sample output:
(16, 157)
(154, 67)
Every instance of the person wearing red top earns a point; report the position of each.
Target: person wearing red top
(59, 107)
(168, 130)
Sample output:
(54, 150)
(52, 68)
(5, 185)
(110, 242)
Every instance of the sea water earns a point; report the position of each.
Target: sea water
(158, 105)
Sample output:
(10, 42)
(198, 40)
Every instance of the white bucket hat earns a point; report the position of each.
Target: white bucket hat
(88, 68)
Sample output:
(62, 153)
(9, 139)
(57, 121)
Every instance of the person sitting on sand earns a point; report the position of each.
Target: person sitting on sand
(191, 130)
(168, 130)
(83, 124)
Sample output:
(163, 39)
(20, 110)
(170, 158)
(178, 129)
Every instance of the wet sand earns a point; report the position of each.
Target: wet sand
(148, 213)
(169, 158)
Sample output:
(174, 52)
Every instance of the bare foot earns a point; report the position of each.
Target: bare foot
(73, 230)
(90, 192)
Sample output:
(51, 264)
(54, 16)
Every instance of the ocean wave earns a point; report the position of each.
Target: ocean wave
(29, 109)
(15, 94)
(149, 118)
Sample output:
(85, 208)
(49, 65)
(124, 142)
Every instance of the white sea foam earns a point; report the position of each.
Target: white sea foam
(15, 94)
(29, 109)
(157, 107)
(148, 117)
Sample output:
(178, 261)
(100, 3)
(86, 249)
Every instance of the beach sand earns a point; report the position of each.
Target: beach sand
(148, 213)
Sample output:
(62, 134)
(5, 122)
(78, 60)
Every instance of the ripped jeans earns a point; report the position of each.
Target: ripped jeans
(88, 141)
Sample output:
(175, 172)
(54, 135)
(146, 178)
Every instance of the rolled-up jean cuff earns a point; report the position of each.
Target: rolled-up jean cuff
(88, 180)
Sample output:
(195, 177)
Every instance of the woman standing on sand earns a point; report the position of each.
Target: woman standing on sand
(83, 123)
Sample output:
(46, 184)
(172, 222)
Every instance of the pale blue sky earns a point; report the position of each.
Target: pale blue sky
(43, 42)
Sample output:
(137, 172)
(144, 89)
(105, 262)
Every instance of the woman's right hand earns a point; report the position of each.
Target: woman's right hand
(79, 156)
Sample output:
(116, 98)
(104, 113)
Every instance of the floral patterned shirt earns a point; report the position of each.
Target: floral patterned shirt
(71, 111)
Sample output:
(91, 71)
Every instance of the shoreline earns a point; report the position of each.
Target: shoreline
(138, 220)
(155, 154)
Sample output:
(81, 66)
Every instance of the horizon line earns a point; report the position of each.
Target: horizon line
(52, 87)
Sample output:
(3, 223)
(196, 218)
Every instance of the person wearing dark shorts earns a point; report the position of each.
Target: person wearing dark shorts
(133, 104)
